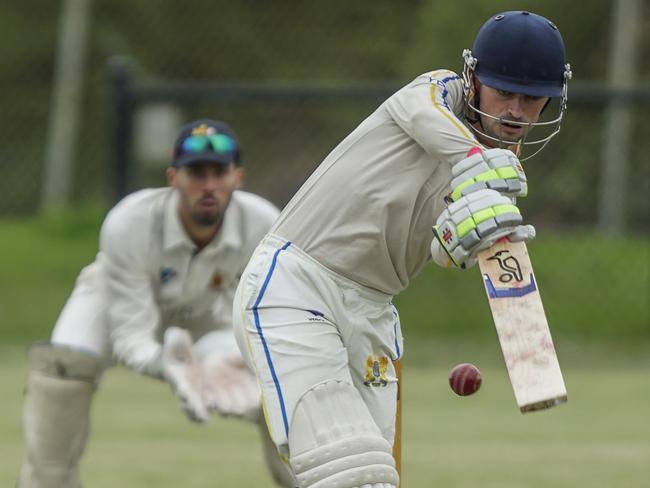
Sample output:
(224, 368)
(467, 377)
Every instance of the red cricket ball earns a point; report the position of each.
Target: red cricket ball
(465, 379)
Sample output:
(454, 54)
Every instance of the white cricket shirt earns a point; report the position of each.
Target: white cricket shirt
(367, 211)
(156, 279)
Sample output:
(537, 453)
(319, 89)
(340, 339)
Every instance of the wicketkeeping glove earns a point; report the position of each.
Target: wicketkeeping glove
(474, 223)
(183, 371)
(230, 388)
(496, 169)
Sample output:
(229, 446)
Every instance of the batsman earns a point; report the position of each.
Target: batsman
(313, 312)
(158, 298)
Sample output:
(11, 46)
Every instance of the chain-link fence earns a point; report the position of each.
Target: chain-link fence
(288, 128)
(292, 44)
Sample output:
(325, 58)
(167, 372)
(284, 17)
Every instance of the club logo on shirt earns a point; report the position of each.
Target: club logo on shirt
(376, 371)
(216, 281)
(167, 274)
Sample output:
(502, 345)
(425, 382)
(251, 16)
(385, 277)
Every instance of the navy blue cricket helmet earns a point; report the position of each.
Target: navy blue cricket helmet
(517, 52)
(520, 52)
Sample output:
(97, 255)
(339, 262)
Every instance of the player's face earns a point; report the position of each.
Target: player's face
(205, 191)
(509, 107)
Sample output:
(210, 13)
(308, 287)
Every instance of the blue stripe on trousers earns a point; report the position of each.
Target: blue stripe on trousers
(258, 326)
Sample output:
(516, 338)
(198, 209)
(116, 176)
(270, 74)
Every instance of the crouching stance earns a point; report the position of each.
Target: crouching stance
(313, 309)
(158, 298)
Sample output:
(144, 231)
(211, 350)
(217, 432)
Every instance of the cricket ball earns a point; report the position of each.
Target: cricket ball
(465, 379)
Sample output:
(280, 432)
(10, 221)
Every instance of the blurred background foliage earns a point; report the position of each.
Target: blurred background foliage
(335, 43)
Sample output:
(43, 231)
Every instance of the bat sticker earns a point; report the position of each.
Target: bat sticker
(512, 271)
(510, 265)
(510, 292)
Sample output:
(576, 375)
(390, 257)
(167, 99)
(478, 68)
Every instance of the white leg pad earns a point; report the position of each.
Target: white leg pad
(56, 415)
(334, 442)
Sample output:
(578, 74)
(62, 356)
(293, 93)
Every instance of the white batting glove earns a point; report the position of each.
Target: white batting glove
(230, 388)
(183, 372)
(473, 223)
(496, 169)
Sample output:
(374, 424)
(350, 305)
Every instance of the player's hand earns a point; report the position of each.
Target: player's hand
(230, 388)
(183, 372)
(496, 169)
(474, 223)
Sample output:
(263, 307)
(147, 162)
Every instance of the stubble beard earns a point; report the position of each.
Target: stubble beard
(212, 219)
(206, 219)
(496, 131)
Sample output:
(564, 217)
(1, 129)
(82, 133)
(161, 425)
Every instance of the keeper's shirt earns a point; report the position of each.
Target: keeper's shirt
(155, 278)
(367, 211)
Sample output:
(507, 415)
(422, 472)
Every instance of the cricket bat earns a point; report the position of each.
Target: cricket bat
(521, 326)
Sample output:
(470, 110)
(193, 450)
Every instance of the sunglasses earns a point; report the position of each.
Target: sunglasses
(221, 144)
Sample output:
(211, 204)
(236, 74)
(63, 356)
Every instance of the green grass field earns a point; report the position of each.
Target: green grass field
(596, 296)
(601, 438)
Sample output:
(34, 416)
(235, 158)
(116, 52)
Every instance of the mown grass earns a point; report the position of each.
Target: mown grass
(600, 439)
(596, 297)
(39, 261)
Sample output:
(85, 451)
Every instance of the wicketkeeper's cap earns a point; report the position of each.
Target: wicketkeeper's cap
(206, 141)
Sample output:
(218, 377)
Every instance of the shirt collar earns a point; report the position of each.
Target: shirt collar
(228, 236)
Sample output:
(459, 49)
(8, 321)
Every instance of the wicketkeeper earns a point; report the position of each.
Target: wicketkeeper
(158, 298)
(313, 311)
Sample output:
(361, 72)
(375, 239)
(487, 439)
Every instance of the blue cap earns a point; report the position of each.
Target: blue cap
(520, 52)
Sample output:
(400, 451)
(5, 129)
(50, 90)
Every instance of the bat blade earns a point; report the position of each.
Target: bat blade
(521, 326)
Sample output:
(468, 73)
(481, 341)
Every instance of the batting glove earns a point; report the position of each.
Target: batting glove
(496, 169)
(473, 223)
(183, 372)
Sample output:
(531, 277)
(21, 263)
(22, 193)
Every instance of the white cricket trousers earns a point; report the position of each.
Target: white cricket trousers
(299, 324)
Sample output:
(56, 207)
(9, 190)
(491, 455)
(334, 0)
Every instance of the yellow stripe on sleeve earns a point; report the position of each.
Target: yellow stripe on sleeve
(448, 116)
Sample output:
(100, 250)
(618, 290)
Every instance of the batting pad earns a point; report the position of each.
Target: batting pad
(334, 442)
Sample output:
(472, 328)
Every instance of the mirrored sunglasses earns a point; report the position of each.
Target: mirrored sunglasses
(219, 143)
